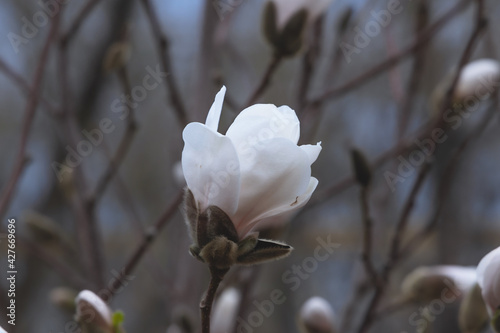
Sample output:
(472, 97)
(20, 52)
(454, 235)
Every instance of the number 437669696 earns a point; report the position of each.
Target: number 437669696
(11, 254)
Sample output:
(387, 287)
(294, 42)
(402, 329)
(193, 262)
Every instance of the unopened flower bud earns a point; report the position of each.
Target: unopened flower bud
(93, 312)
(478, 79)
(473, 316)
(117, 56)
(425, 284)
(64, 298)
(362, 169)
(45, 229)
(317, 316)
(225, 311)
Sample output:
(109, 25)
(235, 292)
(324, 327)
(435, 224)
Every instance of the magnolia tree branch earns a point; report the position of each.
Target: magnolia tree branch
(265, 80)
(395, 253)
(29, 115)
(166, 64)
(77, 22)
(146, 243)
(366, 254)
(123, 146)
(25, 86)
(422, 40)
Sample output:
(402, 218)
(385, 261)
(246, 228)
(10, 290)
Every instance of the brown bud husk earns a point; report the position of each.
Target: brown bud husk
(216, 240)
(361, 167)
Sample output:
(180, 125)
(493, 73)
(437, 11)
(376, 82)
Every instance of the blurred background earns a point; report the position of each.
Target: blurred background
(95, 95)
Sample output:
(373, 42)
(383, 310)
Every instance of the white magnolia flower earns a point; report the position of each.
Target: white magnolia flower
(432, 282)
(256, 170)
(225, 311)
(478, 79)
(2, 330)
(287, 8)
(91, 309)
(317, 315)
(488, 278)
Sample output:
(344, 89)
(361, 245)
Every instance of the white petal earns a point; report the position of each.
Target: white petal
(213, 116)
(488, 274)
(87, 301)
(276, 176)
(312, 151)
(211, 167)
(283, 214)
(261, 122)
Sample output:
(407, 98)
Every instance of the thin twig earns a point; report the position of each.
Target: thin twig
(77, 23)
(423, 39)
(123, 146)
(451, 166)
(416, 72)
(395, 253)
(265, 80)
(166, 64)
(24, 85)
(29, 115)
(147, 241)
(367, 238)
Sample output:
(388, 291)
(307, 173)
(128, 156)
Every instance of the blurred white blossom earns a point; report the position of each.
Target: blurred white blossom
(317, 316)
(225, 311)
(92, 310)
(488, 275)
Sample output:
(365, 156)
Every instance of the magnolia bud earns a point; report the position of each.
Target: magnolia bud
(362, 170)
(425, 284)
(473, 316)
(93, 312)
(225, 311)
(286, 41)
(117, 56)
(43, 227)
(478, 79)
(64, 298)
(317, 316)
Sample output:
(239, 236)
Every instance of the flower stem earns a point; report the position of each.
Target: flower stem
(206, 303)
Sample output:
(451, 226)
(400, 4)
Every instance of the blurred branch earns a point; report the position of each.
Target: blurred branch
(422, 40)
(29, 115)
(24, 85)
(416, 71)
(63, 270)
(265, 80)
(309, 60)
(87, 232)
(444, 188)
(395, 252)
(123, 146)
(166, 64)
(80, 18)
(366, 255)
(146, 243)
